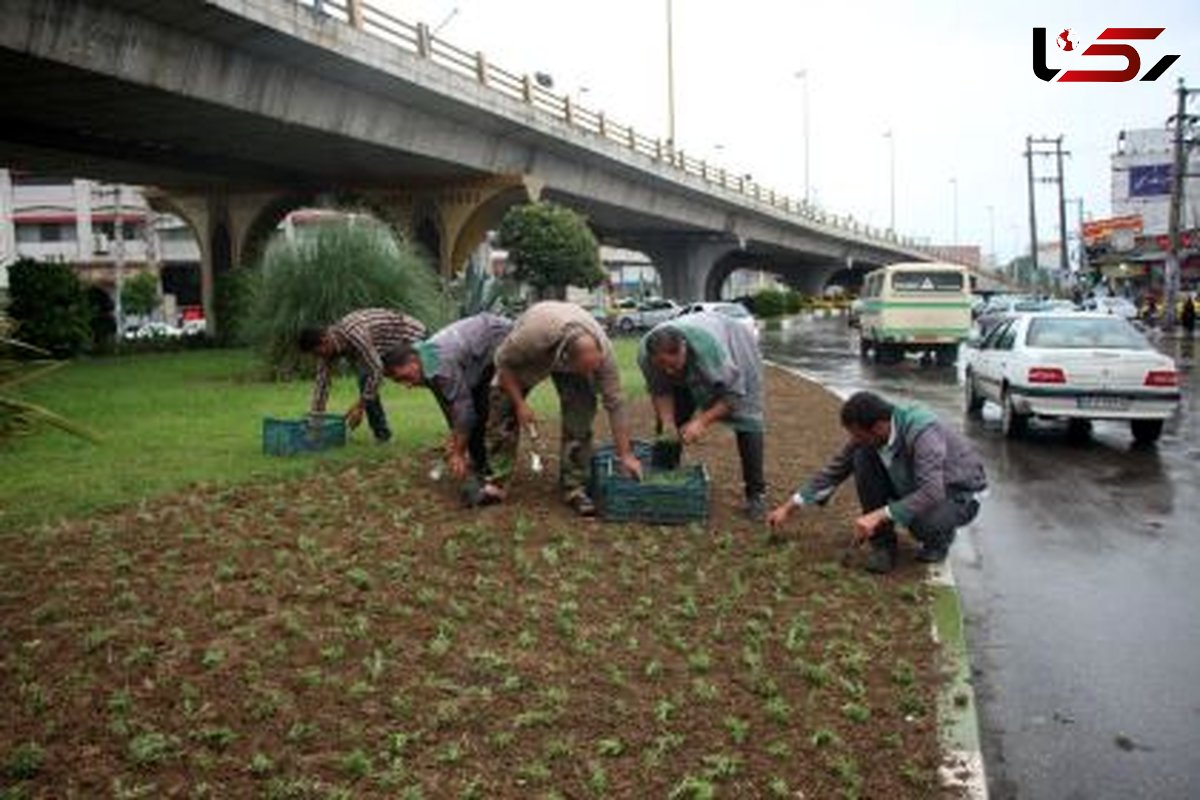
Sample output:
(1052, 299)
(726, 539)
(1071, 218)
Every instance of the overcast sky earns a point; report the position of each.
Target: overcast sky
(952, 80)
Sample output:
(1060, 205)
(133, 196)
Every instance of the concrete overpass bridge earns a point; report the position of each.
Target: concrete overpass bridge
(240, 111)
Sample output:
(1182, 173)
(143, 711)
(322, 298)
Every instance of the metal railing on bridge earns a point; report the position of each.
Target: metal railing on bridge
(417, 38)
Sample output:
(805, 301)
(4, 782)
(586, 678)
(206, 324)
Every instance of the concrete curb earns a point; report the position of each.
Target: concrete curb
(958, 714)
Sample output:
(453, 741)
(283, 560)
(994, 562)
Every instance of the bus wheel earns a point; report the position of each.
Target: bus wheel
(947, 355)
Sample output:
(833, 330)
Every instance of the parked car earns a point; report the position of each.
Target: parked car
(735, 311)
(1074, 366)
(194, 327)
(153, 330)
(1000, 310)
(645, 315)
(1117, 306)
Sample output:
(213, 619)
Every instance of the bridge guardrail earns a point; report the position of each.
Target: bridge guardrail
(417, 38)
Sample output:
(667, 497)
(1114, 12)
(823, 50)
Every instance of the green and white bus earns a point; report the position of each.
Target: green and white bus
(916, 307)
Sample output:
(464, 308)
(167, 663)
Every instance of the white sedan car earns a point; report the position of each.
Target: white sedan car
(1078, 367)
(735, 311)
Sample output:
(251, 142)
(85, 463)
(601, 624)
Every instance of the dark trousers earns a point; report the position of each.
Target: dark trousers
(934, 528)
(749, 444)
(375, 416)
(477, 441)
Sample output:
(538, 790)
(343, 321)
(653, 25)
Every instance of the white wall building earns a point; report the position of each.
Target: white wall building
(74, 221)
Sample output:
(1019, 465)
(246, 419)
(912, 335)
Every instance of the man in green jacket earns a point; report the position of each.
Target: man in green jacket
(705, 368)
(910, 470)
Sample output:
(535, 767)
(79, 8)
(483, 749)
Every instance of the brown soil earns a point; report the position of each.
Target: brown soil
(357, 634)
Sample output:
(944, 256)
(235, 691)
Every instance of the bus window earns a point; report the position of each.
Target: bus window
(931, 281)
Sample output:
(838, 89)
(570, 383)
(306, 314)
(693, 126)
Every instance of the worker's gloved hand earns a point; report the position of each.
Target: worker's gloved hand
(354, 416)
(691, 432)
(458, 465)
(632, 466)
(526, 418)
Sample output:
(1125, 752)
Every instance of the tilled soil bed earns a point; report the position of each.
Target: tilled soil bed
(358, 634)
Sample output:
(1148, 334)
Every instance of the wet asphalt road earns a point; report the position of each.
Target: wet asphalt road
(1081, 585)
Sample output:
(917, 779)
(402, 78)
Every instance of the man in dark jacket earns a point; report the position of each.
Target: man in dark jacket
(457, 365)
(910, 470)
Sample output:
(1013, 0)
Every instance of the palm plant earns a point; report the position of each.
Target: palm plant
(19, 416)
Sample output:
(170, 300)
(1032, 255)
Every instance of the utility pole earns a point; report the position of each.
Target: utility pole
(1064, 265)
(119, 266)
(1033, 243)
(1179, 168)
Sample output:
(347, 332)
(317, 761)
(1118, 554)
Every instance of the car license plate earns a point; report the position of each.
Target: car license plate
(1092, 403)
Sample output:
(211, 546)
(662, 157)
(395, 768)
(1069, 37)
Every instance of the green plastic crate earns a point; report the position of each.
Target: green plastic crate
(289, 437)
(608, 452)
(664, 497)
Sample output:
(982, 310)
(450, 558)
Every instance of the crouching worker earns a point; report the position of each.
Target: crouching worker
(362, 337)
(457, 365)
(910, 470)
(563, 342)
(704, 368)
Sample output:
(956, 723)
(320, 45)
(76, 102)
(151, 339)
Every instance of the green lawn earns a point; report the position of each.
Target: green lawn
(176, 419)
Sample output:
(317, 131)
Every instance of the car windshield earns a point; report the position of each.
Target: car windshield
(927, 281)
(732, 310)
(1084, 332)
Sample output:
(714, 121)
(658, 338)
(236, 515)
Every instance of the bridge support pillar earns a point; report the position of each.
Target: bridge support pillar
(452, 219)
(687, 268)
(225, 226)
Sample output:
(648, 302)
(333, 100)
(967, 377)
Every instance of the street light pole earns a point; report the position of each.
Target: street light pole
(954, 188)
(892, 182)
(992, 234)
(670, 76)
(803, 76)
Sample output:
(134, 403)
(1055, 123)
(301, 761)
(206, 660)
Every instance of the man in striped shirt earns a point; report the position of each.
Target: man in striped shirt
(362, 337)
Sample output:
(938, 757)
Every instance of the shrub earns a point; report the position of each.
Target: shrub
(233, 300)
(49, 306)
(770, 303)
(338, 268)
(551, 248)
(139, 294)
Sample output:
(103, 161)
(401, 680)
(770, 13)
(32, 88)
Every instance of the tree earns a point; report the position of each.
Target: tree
(49, 306)
(551, 248)
(140, 294)
(324, 274)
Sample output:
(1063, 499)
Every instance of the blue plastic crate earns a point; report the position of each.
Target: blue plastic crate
(665, 497)
(289, 437)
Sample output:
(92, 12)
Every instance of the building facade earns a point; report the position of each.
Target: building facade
(1131, 247)
(94, 226)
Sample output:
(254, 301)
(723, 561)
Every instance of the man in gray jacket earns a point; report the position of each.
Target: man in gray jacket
(910, 470)
(457, 365)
